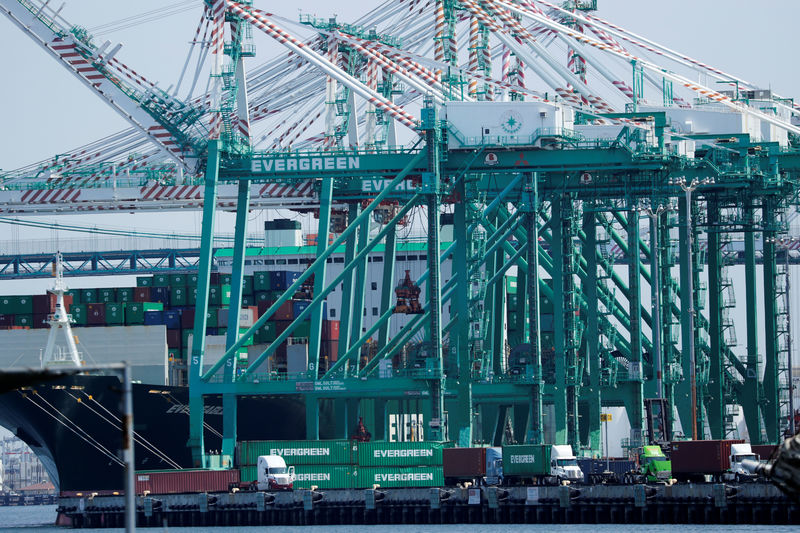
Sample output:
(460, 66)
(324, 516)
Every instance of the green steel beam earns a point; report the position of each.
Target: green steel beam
(715, 399)
(389, 258)
(636, 406)
(460, 417)
(359, 287)
(230, 401)
(196, 407)
(559, 273)
(771, 405)
(531, 208)
(592, 394)
(752, 385)
(323, 234)
(346, 310)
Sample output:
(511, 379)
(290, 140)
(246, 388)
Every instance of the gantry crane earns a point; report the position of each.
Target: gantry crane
(538, 199)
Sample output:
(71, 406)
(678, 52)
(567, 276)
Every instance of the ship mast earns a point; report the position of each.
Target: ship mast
(60, 321)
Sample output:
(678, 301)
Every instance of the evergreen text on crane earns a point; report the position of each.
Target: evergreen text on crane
(299, 164)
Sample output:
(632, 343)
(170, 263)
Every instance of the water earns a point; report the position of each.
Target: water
(41, 518)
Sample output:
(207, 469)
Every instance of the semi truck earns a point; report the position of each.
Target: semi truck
(273, 474)
(540, 464)
(654, 467)
(710, 460)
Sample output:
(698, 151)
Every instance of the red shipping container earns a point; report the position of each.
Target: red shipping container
(96, 314)
(694, 457)
(464, 462)
(330, 348)
(281, 325)
(330, 330)
(68, 298)
(187, 319)
(173, 338)
(186, 481)
(764, 451)
(284, 312)
(40, 321)
(43, 303)
(214, 278)
(264, 305)
(6, 320)
(141, 294)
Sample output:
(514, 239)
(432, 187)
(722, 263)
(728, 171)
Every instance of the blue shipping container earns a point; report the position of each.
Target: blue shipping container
(596, 467)
(153, 318)
(172, 319)
(298, 306)
(280, 280)
(160, 294)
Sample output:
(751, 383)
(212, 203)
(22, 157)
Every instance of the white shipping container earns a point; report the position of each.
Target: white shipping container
(296, 358)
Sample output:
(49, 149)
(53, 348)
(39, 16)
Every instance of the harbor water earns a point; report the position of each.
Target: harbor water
(42, 517)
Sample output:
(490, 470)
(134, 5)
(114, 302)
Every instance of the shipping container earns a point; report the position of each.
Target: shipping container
(96, 314)
(161, 280)
(185, 481)
(125, 294)
(526, 460)
(214, 278)
(115, 313)
(43, 304)
(23, 320)
(219, 295)
(330, 330)
(191, 296)
(398, 476)
(464, 462)
(6, 320)
(280, 280)
(172, 319)
(173, 338)
(284, 312)
(298, 306)
(177, 280)
(382, 453)
(178, 296)
(247, 317)
(261, 281)
(613, 470)
(16, 305)
(141, 294)
(248, 300)
(88, 296)
(107, 295)
(144, 281)
(247, 285)
(187, 318)
(40, 321)
(153, 318)
(693, 459)
(160, 294)
(764, 451)
(266, 333)
(191, 280)
(79, 315)
(308, 452)
(324, 476)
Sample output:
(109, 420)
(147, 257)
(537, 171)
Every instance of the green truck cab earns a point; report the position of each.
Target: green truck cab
(654, 466)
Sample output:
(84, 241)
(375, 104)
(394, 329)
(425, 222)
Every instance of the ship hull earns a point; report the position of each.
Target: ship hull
(73, 426)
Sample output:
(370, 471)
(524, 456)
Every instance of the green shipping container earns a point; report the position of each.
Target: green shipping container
(16, 305)
(382, 453)
(247, 285)
(225, 279)
(511, 285)
(79, 315)
(526, 459)
(324, 476)
(267, 333)
(261, 281)
(107, 295)
(191, 280)
(178, 296)
(88, 296)
(191, 296)
(177, 280)
(115, 313)
(185, 337)
(302, 452)
(211, 317)
(413, 476)
(161, 280)
(144, 281)
(248, 300)
(134, 311)
(23, 320)
(125, 295)
(248, 474)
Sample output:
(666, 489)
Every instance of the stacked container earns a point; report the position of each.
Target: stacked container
(327, 464)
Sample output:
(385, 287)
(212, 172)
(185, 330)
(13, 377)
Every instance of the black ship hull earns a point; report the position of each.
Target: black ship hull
(73, 426)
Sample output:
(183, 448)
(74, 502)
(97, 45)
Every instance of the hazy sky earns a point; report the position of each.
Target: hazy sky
(45, 111)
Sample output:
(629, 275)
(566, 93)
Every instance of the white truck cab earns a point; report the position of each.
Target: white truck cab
(273, 473)
(739, 453)
(564, 465)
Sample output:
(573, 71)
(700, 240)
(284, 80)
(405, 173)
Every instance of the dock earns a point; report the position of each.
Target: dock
(750, 503)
